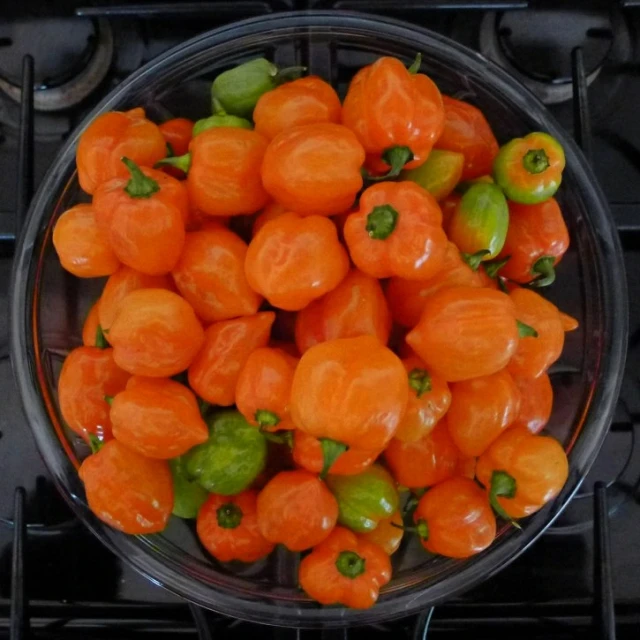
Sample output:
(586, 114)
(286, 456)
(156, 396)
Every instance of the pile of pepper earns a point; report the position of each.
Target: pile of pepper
(320, 326)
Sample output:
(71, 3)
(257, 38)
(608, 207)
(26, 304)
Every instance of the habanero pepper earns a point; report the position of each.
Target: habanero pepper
(388, 534)
(439, 175)
(188, 495)
(177, 134)
(536, 402)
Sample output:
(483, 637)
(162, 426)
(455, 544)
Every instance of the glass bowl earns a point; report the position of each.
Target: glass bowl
(49, 306)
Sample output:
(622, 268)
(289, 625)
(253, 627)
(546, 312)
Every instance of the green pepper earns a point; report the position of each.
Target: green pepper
(439, 174)
(231, 459)
(239, 89)
(220, 118)
(529, 169)
(479, 223)
(364, 499)
(188, 496)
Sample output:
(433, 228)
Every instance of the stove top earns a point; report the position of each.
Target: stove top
(58, 581)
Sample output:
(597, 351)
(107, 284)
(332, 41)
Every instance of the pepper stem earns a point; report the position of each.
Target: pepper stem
(139, 185)
(350, 564)
(396, 157)
(535, 161)
(101, 339)
(285, 437)
(95, 443)
(180, 162)
(381, 222)
(474, 259)
(288, 74)
(108, 400)
(415, 65)
(525, 330)
(217, 108)
(420, 381)
(503, 485)
(492, 268)
(229, 515)
(543, 269)
(203, 407)
(421, 528)
(266, 418)
(331, 451)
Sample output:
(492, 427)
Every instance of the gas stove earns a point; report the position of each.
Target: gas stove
(582, 578)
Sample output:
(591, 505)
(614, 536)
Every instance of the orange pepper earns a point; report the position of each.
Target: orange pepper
(158, 418)
(481, 409)
(224, 172)
(407, 298)
(272, 211)
(314, 169)
(210, 275)
(467, 131)
(297, 510)
(397, 115)
(388, 534)
(83, 249)
(294, 260)
(356, 307)
(448, 207)
(109, 138)
(126, 490)
(92, 335)
(352, 390)
(465, 333)
(345, 569)
(213, 374)
(264, 388)
(155, 333)
(122, 282)
(308, 454)
(536, 402)
(569, 323)
(227, 526)
(397, 231)
(522, 472)
(429, 400)
(144, 218)
(87, 376)
(424, 462)
(177, 134)
(307, 100)
(535, 355)
(454, 519)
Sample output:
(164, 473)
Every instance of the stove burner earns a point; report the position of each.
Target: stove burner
(72, 58)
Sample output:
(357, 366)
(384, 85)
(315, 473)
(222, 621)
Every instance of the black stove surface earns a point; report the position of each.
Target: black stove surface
(78, 589)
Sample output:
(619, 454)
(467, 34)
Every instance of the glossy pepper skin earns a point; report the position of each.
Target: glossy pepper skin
(293, 260)
(529, 170)
(387, 535)
(522, 472)
(87, 376)
(535, 355)
(389, 107)
(155, 333)
(224, 174)
(356, 307)
(467, 131)
(345, 569)
(263, 389)
(157, 417)
(407, 298)
(424, 462)
(352, 390)
(210, 275)
(314, 169)
(439, 175)
(214, 372)
(480, 221)
(308, 100)
(82, 248)
(536, 241)
(456, 518)
(232, 457)
(110, 137)
(228, 528)
(465, 333)
(188, 495)
(397, 231)
(297, 510)
(536, 402)
(177, 134)
(143, 217)
(92, 334)
(481, 409)
(429, 400)
(364, 499)
(126, 490)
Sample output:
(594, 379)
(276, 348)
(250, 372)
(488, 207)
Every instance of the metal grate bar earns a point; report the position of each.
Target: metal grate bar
(603, 583)
(25, 145)
(197, 9)
(19, 624)
(581, 119)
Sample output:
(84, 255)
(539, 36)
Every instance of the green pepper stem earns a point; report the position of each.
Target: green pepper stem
(284, 437)
(288, 74)
(535, 161)
(350, 564)
(101, 339)
(503, 485)
(217, 108)
(544, 271)
(266, 418)
(420, 381)
(139, 185)
(415, 65)
(229, 515)
(331, 451)
(203, 407)
(170, 151)
(95, 443)
(525, 330)
(108, 400)
(180, 162)
(421, 528)
(474, 259)
(381, 222)
(492, 268)
(396, 157)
